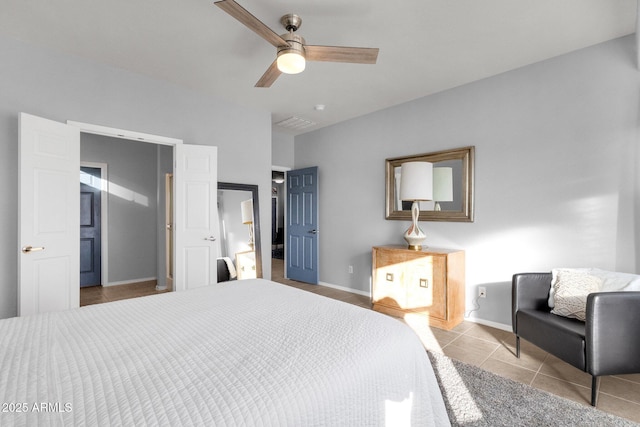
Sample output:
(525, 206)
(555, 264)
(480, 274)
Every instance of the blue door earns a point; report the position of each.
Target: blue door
(90, 233)
(302, 225)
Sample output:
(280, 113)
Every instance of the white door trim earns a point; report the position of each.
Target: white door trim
(280, 168)
(130, 135)
(104, 220)
(124, 134)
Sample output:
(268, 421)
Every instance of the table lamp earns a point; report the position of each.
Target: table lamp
(442, 186)
(416, 184)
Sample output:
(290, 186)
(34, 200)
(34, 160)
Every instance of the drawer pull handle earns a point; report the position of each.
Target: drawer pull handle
(424, 283)
(389, 277)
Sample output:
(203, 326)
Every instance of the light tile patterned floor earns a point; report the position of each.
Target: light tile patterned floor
(489, 348)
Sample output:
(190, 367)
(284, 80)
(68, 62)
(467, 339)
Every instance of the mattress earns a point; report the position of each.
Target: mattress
(251, 352)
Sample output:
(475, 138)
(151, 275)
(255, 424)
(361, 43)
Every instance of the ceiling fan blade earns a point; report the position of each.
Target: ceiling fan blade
(357, 55)
(251, 22)
(269, 76)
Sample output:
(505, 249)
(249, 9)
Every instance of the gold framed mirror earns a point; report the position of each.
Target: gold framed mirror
(453, 186)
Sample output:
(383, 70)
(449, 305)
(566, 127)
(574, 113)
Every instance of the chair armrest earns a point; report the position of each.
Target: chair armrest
(612, 335)
(529, 291)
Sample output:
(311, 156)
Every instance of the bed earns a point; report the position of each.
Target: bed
(251, 352)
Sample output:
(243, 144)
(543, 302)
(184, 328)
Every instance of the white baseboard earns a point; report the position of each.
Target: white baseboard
(496, 325)
(343, 288)
(128, 282)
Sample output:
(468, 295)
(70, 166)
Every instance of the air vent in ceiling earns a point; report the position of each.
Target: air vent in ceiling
(295, 123)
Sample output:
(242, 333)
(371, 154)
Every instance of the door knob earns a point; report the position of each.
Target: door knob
(210, 238)
(313, 231)
(29, 249)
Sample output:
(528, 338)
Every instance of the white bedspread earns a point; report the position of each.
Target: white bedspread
(250, 352)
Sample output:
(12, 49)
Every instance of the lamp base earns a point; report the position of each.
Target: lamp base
(414, 240)
(251, 241)
(414, 235)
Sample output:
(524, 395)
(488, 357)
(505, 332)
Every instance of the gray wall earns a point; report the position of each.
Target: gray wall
(282, 149)
(63, 87)
(556, 181)
(132, 203)
(283, 155)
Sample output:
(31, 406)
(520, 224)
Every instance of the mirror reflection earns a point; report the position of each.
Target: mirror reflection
(452, 187)
(239, 216)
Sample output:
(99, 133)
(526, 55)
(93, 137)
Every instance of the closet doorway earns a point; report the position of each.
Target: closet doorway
(133, 189)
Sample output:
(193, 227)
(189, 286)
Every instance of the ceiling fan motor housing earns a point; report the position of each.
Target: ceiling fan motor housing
(291, 22)
(296, 44)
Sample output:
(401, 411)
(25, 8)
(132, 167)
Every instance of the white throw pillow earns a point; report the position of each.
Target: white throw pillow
(554, 280)
(611, 280)
(570, 290)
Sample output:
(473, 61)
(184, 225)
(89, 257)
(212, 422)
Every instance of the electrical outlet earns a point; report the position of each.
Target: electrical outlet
(351, 269)
(482, 292)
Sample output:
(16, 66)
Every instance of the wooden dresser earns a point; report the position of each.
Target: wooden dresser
(428, 282)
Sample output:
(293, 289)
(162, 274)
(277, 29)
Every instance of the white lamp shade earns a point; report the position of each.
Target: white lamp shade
(443, 184)
(416, 182)
(246, 209)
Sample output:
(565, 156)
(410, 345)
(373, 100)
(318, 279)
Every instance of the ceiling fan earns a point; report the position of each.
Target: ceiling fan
(293, 52)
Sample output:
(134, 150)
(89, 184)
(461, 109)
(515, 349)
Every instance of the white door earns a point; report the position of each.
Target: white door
(48, 212)
(195, 216)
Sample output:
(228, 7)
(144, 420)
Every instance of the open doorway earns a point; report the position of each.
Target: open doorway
(134, 260)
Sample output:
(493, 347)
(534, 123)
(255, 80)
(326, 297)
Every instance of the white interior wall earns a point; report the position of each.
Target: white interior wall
(556, 180)
(282, 149)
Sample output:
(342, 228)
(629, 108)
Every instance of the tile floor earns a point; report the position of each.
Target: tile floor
(494, 350)
(486, 347)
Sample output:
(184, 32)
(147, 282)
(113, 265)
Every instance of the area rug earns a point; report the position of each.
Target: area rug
(475, 397)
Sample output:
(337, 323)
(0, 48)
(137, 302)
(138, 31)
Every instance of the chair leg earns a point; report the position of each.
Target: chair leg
(518, 347)
(595, 385)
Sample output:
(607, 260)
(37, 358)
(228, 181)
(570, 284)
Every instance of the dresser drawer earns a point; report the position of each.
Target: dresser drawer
(426, 288)
(389, 289)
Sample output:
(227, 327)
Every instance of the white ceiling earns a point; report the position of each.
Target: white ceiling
(426, 46)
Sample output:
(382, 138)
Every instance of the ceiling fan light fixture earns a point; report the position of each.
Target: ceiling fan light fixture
(291, 58)
(291, 62)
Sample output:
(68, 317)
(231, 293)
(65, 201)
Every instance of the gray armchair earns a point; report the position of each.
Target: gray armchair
(607, 343)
